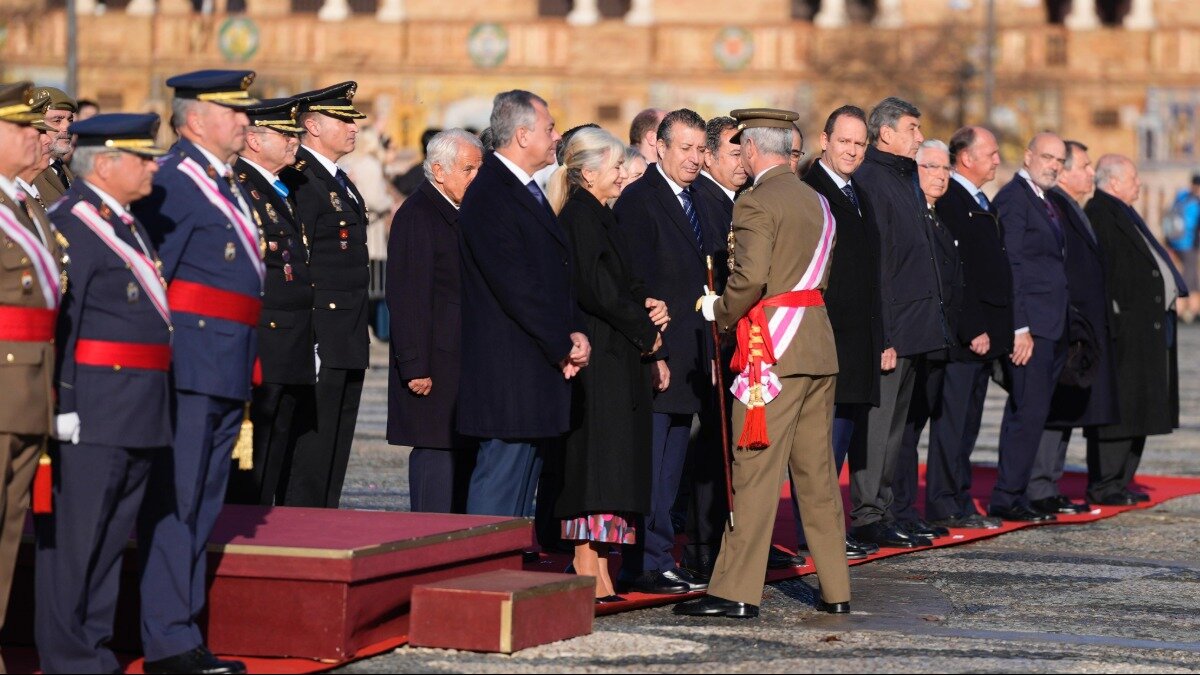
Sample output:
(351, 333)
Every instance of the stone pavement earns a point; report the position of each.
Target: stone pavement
(1119, 595)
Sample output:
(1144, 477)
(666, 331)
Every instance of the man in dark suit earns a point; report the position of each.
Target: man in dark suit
(1143, 285)
(287, 372)
(983, 330)
(853, 295)
(1075, 403)
(200, 221)
(335, 215)
(1035, 239)
(521, 325)
(913, 323)
(666, 231)
(424, 296)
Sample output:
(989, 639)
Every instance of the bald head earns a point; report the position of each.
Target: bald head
(1118, 176)
(1044, 159)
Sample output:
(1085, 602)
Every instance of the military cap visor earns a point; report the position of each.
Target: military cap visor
(228, 88)
(56, 99)
(750, 118)
(127, 132)
(278, 114)
(17, 104)
(335, 101)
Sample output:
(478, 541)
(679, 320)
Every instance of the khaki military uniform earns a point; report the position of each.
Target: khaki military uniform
(52, 185)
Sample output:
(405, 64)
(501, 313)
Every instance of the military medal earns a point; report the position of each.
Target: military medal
(26, 281)
(287, 272)
(212, 173)
(254, 193)
(105, 212)
(230, 252)
(337, 203)
(286, 255)
(345, 245)
(274, 245)
(271, 214)
(344, 233)
(131, 292)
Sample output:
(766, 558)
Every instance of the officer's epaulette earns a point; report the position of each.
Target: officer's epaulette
(61, 239)
(300, 164)
(242, 177)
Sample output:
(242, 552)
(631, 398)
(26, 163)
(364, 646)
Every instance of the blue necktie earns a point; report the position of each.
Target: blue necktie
(1055, 221)
(848, 190)
(280, 188)
(536, 191)
(983, 201)
(690, 211)
(1152, 241)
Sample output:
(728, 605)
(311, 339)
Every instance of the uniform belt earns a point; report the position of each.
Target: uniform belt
(194, 298)
(123, 354)
(809, 298)
(27, 324)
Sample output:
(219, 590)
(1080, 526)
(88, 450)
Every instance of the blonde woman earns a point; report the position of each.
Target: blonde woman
(606, 463)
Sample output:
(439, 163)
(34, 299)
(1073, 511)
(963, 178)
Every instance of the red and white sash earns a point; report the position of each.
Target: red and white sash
(43, 263)
(247, 232)
(786, 320)
(142, 267)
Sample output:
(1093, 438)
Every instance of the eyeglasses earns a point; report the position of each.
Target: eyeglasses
(797, 154)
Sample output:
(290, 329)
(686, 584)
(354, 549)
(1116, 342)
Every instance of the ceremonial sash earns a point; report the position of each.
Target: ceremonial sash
(43, 262)
(149, 356)
(246, 231)
(144, 270)
(760, 343)
(27, 324)
(218, 303)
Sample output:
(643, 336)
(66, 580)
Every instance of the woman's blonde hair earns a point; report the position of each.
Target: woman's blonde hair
(591, 148)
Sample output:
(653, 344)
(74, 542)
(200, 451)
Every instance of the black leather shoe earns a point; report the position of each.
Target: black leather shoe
(655, 583)
(922, 528)
(972, 521)
(684, 577)
(711, 605)
(889, 536)
(699, 562)
(198, 660)
(833, 607)
(1021, 514)
(855, 549)
(1140, 496)
(782, 560)
(1059, 504)
(609, 599)
(1118, 499)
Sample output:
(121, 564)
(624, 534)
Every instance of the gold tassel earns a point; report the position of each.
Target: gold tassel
(243, 448)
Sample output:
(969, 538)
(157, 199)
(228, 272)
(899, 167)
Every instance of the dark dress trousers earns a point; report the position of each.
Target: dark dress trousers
(124, 422)
(285, 344)
(606, 464)
(212, 363)
(913, 323)
(1035, 239)
(986, 307)
(424, 296)
(1074, 406)
(657, 238)
(335, 216)
(518, 313)
(1147, 375)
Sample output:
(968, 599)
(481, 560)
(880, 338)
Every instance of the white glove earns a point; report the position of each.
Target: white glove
(706, 304)
(66, 428)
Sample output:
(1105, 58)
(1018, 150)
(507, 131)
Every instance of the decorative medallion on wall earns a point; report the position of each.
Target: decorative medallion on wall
(733, 48)
(487, 45)
(238, 38)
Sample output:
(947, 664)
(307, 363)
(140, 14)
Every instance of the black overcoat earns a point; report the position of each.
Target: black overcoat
(424, 297)
(852, 297)
(518, 311)
(607, 461)
(1086, 282)
(1147, 372)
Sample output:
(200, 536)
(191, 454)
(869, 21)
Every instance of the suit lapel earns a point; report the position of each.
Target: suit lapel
(448, 213)
(670, 204)
(332, 185)
(522, 196)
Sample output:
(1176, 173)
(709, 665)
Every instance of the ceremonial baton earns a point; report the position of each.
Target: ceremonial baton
(727, 457)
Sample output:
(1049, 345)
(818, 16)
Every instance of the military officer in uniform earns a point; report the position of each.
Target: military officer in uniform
(54, 181)
(27, 179)
(783, 232)
(285, 331)
(114, 354)
(29, 299)
(200, 221)
(336, 217)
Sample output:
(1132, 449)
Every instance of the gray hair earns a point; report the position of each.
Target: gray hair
(180, 109)
(887, 113)
(512, 110)
(770, 140)
(444, 146)
(84, 159)
(934, 144)
(1110, 168)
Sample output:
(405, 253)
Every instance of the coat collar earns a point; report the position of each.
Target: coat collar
(671, 206)
(522, 196)
(895, 163)
(443, 206)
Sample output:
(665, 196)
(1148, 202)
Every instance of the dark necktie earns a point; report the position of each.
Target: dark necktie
(1055, 220)
(344, 181)
(57, 165)
(983, 201)
(689, 210)
(536, 191)
(848, 190)
(1152, 241)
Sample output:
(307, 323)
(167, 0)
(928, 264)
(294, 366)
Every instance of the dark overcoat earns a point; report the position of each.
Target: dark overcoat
(657, 240)
(853, 298)
(424, 296)
(518, 311)
(1147, 371)
(986, 305)
(1086, 279)
(1035, 254)
(607, 461)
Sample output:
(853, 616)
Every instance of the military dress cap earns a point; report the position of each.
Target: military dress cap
(40, 103)
(335, 101)
(57, 98)
(16, 103)
(223, 87)
(749, 118)
(277, 113)
(130, 132)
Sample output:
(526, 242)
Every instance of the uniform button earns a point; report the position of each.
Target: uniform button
(116, 367)
(1154, 274)
(341, 222)
(333, 305)
(1158, 298)
(24, 260)
(1157, 325)
(11, 358)
(272, 324)
(201, 323)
